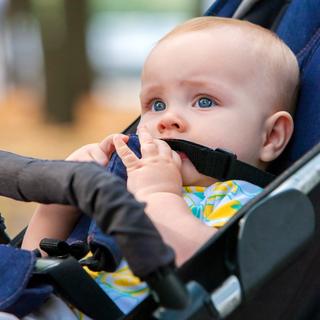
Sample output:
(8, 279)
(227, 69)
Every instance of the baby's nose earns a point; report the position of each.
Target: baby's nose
(171, 121)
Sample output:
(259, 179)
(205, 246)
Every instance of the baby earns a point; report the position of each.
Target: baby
(218, 82)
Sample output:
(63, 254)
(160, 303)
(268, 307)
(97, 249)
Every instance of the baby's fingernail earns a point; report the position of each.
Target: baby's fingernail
(124, 137)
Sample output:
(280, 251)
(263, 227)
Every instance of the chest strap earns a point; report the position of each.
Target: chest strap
(220, 164)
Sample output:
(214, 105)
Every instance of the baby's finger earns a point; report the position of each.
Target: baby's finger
(88, 153)
(98, 156)
(176, 158)
(107, 145)
(163, 148)
(147, 143)
(128, 158)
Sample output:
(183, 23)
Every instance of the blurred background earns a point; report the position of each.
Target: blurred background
(69, 73)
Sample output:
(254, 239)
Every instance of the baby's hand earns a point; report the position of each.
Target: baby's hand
(158, 170)
(96, 152)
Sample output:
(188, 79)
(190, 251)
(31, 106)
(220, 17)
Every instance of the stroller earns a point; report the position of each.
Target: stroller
(246, 271)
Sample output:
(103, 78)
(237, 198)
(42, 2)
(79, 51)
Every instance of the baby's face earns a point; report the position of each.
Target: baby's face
(205, 87)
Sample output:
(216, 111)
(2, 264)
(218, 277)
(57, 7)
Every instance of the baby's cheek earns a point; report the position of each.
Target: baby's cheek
(150, 124)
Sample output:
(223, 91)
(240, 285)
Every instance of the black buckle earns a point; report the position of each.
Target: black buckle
(228, 164)
(60, 248)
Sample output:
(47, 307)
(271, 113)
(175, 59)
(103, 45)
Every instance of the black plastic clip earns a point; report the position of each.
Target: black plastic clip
(59, 248)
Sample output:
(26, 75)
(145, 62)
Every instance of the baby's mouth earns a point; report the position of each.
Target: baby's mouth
(182, 155)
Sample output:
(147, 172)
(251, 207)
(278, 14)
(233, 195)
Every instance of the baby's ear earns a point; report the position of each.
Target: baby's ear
(278, 131)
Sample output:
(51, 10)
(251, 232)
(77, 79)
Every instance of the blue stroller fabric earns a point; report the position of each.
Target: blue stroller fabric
(16, 293)
(116, 166)
(300, 29)
(224, 8)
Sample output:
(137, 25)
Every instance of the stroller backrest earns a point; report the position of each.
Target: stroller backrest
(300, 29)
(298, 24)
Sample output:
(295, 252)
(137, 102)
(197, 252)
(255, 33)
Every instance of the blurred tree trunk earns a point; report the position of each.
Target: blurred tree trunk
(18, 6)
(16, 15)
(76, 18)
(67, 73)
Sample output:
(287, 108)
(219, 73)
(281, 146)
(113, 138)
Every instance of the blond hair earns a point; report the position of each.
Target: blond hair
(280, 65)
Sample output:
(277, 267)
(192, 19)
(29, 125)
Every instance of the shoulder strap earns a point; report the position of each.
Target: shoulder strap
(220, 164)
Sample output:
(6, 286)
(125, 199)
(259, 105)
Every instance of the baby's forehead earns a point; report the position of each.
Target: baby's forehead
(232, 31)
(231, 38)
(231, 46)
(225, 52)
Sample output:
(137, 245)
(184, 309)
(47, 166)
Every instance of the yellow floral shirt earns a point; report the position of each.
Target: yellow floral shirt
(214, 205)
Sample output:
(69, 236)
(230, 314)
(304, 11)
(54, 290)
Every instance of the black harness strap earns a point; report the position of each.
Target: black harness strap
(220, 164)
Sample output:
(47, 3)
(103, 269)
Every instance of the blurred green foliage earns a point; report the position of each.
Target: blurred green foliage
(142, 5)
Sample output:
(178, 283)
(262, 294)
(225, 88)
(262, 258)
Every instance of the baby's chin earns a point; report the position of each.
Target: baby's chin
(191, 176)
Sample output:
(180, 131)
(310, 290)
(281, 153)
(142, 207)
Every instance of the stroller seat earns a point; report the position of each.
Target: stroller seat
(255, 261)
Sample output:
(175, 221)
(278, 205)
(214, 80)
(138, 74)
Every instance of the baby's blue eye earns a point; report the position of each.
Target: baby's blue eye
(158, 105)
(205, 103)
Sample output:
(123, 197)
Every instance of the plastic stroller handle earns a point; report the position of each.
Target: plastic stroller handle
(98, 194)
